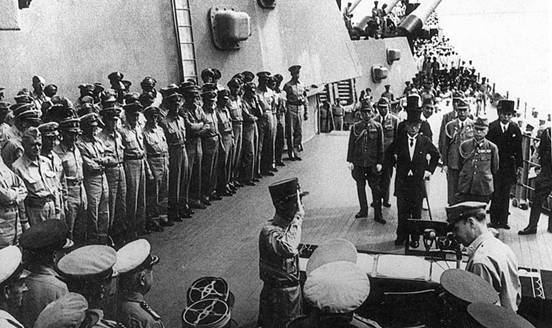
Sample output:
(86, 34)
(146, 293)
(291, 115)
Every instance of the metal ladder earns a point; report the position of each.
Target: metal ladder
(185, 38)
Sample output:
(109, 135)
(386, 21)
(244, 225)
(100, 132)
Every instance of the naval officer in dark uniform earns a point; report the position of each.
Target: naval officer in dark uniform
(365, 155)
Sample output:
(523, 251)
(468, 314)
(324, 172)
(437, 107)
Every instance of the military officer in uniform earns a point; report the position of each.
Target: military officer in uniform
(236, 114)
(148, 86)
(40, 244)
(478, 164)
(280, 299)
(94, 162)
(134, 265)
(543, 185)
(67, 311)
(210, 143)
(73, 187)
(389, 123)
(224, 162)
(506, 135)
(280, 119)
(456, 131)
(447, 117)
(50, 138)
(265, 98)
(35, 171)
(409, 152)
(12, 286)
(12, 195)
(115, 172)
(365, 155)
(249, 162)
(296, 100)
(25, 116)
(489, 257)
(88, 270)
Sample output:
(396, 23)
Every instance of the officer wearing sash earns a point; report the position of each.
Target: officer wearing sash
(280, 299)
(12, 286)
(135, 264)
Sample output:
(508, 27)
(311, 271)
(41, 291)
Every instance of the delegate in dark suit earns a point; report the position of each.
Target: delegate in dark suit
(510, 159)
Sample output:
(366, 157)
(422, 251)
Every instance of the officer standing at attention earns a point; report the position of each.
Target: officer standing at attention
(134, 265)
(296, 99)
(12, 286)
(88, 270)
(157, 154)
(249, 157)
(95, 181)
(148, 86)
(265, 98)
(50, 138)
(235, 108)
(389, 123)
(224, 162)
(365, 155)
(40, 180)
(507, 136)
(456, 131)
(210, 144)
(478, 164)
(115, 173)
(40, 244)
(280, 299)
(388, 94)
(25, 116)
(12, 218)
(489, 257)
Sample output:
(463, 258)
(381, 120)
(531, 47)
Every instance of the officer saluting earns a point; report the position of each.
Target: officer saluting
(135, 264)
(365, 154)
(12, 285)
(280, 299)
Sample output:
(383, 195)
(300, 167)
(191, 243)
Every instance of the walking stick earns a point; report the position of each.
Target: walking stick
(427, 200)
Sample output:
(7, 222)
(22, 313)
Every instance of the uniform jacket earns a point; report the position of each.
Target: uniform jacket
(389, 125)
(72, 164)
(224, 120)
(133, 140)
(155, 142)
(12, 148)
(174, 127)
(113, 145)
(296, 94)
(479, 162)
(495, 262)
(365, 144)
(545, 158)
(447, 117)
(136, 313)
(194, 118)
(410, 173)
(91, 150)
(278, 254)
(235, 108)
(39, 178)
(12, 194)
(509, 149)
(454, 137)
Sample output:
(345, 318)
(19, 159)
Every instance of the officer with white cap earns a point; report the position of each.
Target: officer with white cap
(66, 312)
(12, 285)
(134, 265)
(88, 270)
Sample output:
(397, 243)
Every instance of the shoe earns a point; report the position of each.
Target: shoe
(178, 219)
(505, 227)
(255, 180)
(168, 223)
(380, 220)
(414, 244)
(238, 184)
(249, 183)
(527, 231)
(197, 204)
(258, 176)
(290, 159)
(274, 169)
(361, 215)
(280, 164)
(386, 204)
(226, 193)
(185, 215)
(268, 173)
(206, 201)
(215, 196)
(297, 158)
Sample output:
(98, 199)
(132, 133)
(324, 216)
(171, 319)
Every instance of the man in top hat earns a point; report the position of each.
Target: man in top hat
(115, 172)
(506, 135)
(136, 169)
(296, 96)
(388, 94)
(12, 194)
(95, 161)
(25, 116)
(236, 115)
(265, 97)
(543, 184)
(40, 244)
(67, 311)
(457, 131)
(36, 172)
(478, 163)
(410, 152)
(251, 112)
(12, 286)
(365, 155)
(389, 124)
(280, 299)
(414, 112)
(38, 91)
(224, 162)
(489, 257)
(148, 86)
(157, 154)
(74, 193)
(210, 140)
(50, 138)
(134, 265)
(88, 271)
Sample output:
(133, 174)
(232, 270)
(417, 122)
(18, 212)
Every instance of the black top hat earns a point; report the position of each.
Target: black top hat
(506, 106)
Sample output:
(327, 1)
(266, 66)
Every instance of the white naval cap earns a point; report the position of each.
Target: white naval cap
(67, 311)
(134, 256)
(337, 287)
(10, 259)
(87, 261)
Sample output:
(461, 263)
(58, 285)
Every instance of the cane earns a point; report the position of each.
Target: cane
(427, 200)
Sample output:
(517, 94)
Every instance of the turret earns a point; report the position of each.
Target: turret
(417, 18)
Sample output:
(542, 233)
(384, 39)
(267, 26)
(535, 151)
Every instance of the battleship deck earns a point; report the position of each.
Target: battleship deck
(222, 240)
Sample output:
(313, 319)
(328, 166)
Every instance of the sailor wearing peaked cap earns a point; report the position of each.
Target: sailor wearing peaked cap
(294, 69)
(134, 265)
(489, 257)
(207, 75)
(12, 285)
(492, 316)
(68, 311)
(280, 299)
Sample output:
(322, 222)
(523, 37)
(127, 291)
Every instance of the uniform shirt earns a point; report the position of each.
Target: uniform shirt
(495, 262)
(13, 147)
(133, 140)
(479, 164)
(211, 118)
(44, 288)
(155, 141)
(3, 133)
(12, 194)
(389, 123)
(91, 150)
(113, 145)
(224, 120)
(174, 127)
(365, 144)
(296, 94)
(56, 166)
(266, 100)
(235, 108)
(71, 162)
(136, 313)
(194, 118)
(37, 175)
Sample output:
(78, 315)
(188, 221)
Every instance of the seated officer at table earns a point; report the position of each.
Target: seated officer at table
(489, 257)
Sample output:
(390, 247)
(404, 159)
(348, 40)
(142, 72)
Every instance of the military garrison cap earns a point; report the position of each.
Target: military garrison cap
(135, 256)
(87, 262)
(11, 268)
(285, 190)
(216, 73)
(67, 311)
(111, 111)
(46, 235)
(49, 129)
(468, 287)
(209, 90)
(87, 89)
(494, 316)
(207, 73)
(70, 125)
(263, 74)
(148, 81)
(464, 210)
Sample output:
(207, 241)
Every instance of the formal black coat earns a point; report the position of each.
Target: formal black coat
(398, 153)
(509, 149)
